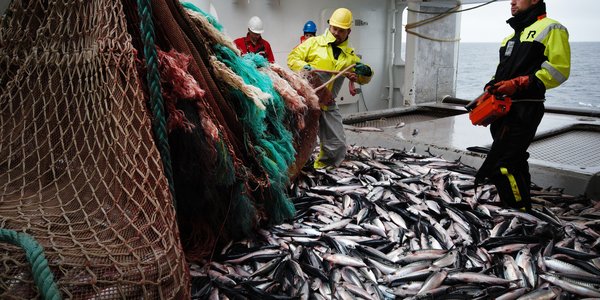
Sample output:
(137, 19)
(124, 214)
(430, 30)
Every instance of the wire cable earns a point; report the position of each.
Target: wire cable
(458, 11)
(438, 16)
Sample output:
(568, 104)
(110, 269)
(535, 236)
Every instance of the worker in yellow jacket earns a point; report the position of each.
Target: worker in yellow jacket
(330, 51)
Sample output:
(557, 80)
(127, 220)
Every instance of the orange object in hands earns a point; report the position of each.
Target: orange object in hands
(489, 108)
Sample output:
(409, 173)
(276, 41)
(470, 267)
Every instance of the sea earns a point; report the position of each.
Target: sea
(477, 63)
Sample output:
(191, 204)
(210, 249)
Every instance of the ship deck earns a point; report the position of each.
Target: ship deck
(564, 153)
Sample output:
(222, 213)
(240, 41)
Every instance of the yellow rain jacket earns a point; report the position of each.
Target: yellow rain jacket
(317, 52)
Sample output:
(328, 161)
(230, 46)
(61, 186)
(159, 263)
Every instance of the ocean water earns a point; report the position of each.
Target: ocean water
(477, 63)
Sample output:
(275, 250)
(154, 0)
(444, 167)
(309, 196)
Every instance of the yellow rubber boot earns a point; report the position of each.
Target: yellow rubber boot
(318, 164)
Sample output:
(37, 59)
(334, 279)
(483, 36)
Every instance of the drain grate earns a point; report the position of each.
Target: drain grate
(575, 148)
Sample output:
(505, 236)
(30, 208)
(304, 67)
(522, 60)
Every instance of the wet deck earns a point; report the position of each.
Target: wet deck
(564, 153)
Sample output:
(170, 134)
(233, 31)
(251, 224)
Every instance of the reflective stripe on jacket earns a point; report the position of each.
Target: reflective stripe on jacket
(555, 40)
(540, 50)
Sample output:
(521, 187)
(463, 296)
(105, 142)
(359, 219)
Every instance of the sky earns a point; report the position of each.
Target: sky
(488, 23)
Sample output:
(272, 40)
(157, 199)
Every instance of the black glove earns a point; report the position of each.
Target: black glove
(489, 85)
(362, 70)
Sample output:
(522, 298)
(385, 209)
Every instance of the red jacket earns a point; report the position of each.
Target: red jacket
(262, 47)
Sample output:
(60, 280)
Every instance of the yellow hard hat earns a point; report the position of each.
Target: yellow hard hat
(342, 18)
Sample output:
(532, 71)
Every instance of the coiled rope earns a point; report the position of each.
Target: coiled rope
(156, 100)
(34, 252)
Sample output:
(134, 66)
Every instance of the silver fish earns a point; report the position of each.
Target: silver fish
(571, 287)
(543, 293)
(471, 277)
(525, 261)
(564, 267)
(344, 260)
(433, 281)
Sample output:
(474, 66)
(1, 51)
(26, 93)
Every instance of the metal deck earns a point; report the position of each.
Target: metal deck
(564, 153)
(397, 120)
(574, 147)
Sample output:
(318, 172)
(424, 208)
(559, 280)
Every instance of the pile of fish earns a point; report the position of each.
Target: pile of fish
(391, 224)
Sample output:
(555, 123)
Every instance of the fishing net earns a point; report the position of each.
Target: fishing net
(81, 170)
(250, 133)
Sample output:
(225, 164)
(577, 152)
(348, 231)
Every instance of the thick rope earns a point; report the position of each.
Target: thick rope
(156, 101)
(42, 276)
(410, 26)
(342, 72)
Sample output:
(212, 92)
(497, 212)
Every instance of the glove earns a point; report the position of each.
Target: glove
(308, 68)
(510, 87)
(362, 70)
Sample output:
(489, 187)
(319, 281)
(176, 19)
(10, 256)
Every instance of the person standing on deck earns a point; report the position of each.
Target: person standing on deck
(331, 52)
(536, 57)
(253, 41)
(310, 30)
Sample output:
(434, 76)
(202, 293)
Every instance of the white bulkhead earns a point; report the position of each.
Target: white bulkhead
(410, 68)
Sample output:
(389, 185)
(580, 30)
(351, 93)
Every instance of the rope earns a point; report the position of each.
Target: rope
(431, 38)
(156, 101)
(456, 11)
(42, 276)
(438, 16)
(340, 73)
(407, 27)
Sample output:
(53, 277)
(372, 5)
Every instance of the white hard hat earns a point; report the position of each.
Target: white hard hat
(255, 25)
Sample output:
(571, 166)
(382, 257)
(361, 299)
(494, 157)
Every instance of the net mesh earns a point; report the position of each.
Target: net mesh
(78, 167)
(231, 170)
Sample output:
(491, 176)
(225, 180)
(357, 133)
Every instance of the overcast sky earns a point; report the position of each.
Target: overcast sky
(488, 23)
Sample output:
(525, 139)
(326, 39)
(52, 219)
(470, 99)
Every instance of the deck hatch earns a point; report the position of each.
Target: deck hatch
(573, 147)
